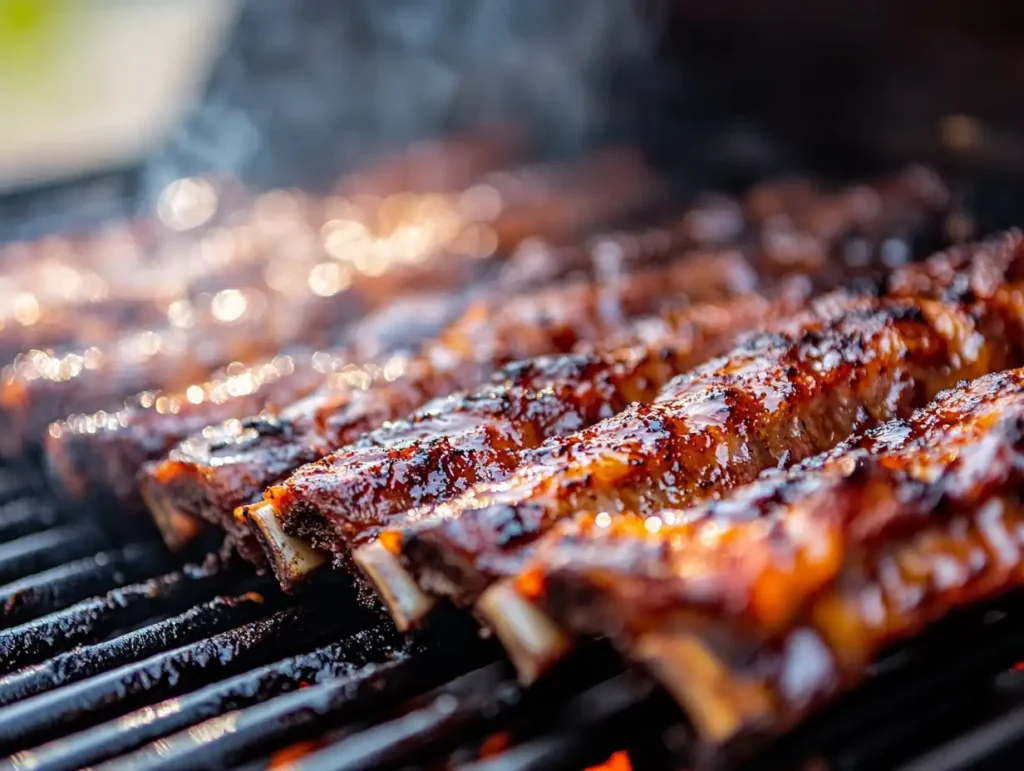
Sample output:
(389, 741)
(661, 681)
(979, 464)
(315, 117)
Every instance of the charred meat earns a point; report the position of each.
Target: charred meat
(784, 591)
(211, 474)
(846, 365)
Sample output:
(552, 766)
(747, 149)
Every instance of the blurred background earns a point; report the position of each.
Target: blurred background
(104, 104)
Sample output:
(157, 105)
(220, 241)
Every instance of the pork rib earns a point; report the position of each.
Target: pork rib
(783, 396)
(786, 590)
(209, 475)
(94, 458)
(346, 499)
(869, 215)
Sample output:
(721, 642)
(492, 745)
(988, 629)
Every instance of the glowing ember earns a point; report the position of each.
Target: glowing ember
(619, 761)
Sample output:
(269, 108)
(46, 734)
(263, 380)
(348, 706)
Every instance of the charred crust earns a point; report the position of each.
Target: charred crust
(307, 523)
(441, 572)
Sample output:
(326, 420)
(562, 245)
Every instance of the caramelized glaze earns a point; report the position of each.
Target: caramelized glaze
(95, 457)
(842, 555)
(799, 390)
(457, 441)
(229, 465)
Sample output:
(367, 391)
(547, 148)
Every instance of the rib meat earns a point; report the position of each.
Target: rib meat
(45, 385)
(784, 591)
(82, 324)
(209, 475)
(197, 480)
(95, 457)
(344, 500)
(785, 395)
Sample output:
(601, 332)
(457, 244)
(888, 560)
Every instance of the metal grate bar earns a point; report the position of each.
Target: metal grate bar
(152, 722)
(211, 617)
(25, 516)
(99, 617)
(479, 703)
(18, 483)
(916, 730)
(46, 549)
(59, 587)
(580, 734)
(423, 729)
(995, 744)
(237, 736)
(129, 687)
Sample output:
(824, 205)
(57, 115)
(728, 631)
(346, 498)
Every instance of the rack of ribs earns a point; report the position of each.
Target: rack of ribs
(211, 474)
(759, 608)
(227, 325)
(197, 481)
(98, 455)
(115, 435)
(845, 365)
(94, 458)
(346, 499)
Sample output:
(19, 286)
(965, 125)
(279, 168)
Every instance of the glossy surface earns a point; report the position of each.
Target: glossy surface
(455, 442)
(229, 465)
(96, 456)
(783, 396)
(797, 580)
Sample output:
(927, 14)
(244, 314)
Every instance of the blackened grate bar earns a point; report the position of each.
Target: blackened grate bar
(238, 736)
(996, 744)
(25, 516)
(461, 706)
(589, 727)
(48, 548)
(152, 722)
(479, 703)
(129, 687)
(66, 668)
(59, 587)
(19, 483)
(473, 705)
(99, 617)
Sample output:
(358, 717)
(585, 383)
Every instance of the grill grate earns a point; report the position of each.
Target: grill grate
(50, 591)
(121, 657)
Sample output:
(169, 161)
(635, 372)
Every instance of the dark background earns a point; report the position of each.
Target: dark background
(717, 94)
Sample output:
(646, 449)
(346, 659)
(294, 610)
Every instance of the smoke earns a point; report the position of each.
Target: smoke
(307, 89)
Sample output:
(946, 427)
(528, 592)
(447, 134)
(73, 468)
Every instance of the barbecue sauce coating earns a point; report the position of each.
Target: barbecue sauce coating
(82, 324)
(45, 385)
(213, 473)
(798, 580)
(781, 397)
(96, 457)
(810, 232)
(455, 442)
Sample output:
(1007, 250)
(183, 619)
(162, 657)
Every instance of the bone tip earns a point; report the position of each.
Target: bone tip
(176, 528)
(722, 704)
(405, 601)
(533, 641)
(292, 559)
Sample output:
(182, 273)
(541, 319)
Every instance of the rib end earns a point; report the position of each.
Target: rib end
(292, 560)
(721, 706)
(177, 528)
(407, 603)
(533, 641)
